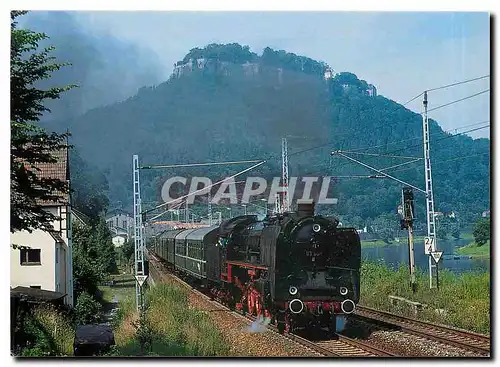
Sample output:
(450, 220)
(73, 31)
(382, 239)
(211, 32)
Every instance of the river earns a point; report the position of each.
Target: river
(393, 255)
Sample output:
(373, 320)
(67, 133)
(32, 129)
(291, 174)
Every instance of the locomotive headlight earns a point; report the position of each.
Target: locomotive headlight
(293, 290)
(343, 291)
(316, 228)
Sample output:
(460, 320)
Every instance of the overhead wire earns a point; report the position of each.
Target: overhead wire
(419, 137)
(416, 145)
(458, 83)
(409, 101)
(444, 161)
(458, 100)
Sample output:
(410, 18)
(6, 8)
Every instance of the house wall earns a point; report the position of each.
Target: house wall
(62, 266)
(33, 275)
(117, 221)
(69, 261)
(49, 275)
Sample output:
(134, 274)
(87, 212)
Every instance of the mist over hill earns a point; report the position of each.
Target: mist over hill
(105, 68)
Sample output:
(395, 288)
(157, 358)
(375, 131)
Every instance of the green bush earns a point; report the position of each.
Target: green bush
(47, 331)
(87, 310)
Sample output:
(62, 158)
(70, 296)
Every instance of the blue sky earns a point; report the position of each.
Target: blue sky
(402, 53)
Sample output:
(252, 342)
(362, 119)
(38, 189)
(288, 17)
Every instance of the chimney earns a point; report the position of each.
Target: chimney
(305, 209)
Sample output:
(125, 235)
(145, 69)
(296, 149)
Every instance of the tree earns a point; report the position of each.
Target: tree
(482, 231)
(455, 230)
(442, 227)
(89, 187)
(386, 226)
(87, 310)
(106, 249)
(128, 249)
(87, 272)
(31, 145)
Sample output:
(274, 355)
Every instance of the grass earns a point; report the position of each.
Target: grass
(52, 330)
(176, 329)
(465, 298)
(184, 330)
(377, 243)
(472, 249)
(124, 287)
(467, 236)
(124, 290)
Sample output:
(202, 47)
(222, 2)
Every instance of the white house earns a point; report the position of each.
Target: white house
(45, 261)
(121, 225)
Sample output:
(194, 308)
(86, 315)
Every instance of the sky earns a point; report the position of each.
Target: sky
(401, 53)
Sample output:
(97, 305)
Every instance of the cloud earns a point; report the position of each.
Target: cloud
(106, 68)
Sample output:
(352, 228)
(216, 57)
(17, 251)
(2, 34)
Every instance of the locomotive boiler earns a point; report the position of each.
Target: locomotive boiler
(298, 269)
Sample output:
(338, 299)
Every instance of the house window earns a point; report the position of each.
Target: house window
(124, 224)
(30, 257)
(36, 286)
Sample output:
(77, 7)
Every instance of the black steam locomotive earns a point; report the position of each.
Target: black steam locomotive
(298, 269)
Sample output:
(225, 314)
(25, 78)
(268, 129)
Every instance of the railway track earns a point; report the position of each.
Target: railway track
(341, 346)
(462, 339)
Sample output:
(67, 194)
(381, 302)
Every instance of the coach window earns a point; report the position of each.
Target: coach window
(196, 254)
(192, 250)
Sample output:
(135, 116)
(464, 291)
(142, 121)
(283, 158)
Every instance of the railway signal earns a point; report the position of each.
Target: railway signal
(407, 211)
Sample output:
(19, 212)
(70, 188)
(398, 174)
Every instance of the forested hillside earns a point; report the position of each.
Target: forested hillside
(227, 103)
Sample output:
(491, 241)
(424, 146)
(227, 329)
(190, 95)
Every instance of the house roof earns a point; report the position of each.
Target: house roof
(34, 294)
(56, 236)
(58, 170)
(113, 212)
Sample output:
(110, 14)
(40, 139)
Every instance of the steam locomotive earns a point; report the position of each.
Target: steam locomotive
(297, 269)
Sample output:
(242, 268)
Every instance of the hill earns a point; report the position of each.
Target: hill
(224, 102)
